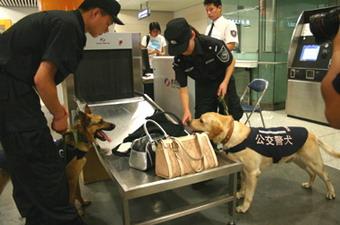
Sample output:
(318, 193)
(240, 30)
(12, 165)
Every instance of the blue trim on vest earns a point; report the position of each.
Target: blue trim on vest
(275, 142)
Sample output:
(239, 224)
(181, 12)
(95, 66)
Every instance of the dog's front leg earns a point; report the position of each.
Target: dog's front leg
(4, 178)
(79, 197)
(240, 193)
(250, 186)
(73, 170)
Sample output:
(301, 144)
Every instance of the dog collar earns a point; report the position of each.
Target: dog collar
(230, 132)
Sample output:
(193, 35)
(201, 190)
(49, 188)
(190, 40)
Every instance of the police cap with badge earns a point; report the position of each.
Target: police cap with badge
(111, 7)
(177, 33)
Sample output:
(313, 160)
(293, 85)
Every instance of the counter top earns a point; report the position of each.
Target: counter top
(246, 63)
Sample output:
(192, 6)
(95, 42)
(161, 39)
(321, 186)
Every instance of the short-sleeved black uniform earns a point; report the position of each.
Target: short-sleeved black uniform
(207, 66)
(37, 172)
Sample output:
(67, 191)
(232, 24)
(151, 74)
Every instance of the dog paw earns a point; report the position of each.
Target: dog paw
(239, 195)
(79, 208)
(241, 209)
(306, 185)
(86, 203)
(330, 195)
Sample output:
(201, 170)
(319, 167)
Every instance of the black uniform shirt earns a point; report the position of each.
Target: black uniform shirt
(56, 36)
(208, 62)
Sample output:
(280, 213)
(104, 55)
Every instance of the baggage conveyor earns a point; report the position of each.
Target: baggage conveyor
(128, 116)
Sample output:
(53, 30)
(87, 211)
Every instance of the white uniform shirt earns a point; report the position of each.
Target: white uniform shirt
(223, 29)
(155, 42)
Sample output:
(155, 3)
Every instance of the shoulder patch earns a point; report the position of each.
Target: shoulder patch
(233, 33)
(223, 54)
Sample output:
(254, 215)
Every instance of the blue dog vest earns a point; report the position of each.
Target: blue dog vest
(275, 142)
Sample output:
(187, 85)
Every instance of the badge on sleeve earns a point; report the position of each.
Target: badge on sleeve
(233, 33)
(223, 54)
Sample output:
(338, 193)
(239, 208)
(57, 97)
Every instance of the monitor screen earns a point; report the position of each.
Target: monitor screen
(104, 75)
(309, 53)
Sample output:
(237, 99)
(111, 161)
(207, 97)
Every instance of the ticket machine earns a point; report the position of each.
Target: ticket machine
(308, 63)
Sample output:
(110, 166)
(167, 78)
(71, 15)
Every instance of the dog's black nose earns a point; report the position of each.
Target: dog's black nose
(112, 126)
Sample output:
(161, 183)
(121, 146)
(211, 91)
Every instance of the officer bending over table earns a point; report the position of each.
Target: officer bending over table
(206, 60)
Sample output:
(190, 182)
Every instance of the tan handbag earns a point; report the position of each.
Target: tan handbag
(178, 156)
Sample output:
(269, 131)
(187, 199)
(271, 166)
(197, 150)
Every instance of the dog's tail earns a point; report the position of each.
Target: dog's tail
(329, 149)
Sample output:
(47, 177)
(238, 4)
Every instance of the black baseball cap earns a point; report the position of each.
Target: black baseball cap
(111, 7)
(178, 34)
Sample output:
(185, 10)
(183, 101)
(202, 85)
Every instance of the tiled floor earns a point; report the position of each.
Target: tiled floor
(278, 200)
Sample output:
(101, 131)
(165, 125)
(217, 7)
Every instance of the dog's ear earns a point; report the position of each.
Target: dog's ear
(84, 120)
(214, 132)
(87, 109)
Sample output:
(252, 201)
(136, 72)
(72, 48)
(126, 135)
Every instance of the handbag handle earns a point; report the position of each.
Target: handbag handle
(186, 153)
(159, 126)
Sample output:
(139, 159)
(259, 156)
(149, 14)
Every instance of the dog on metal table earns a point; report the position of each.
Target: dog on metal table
(74, 145)
(258, 148)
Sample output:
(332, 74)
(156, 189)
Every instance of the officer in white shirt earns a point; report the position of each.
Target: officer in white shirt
(220, 28)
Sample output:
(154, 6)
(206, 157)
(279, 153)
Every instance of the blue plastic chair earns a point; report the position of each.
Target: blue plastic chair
(260, 87)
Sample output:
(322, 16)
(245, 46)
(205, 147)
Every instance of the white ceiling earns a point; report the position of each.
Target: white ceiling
(154, 5)
(159, 5)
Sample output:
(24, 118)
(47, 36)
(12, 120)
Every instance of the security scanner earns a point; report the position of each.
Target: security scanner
(110, 68)
(308, 63)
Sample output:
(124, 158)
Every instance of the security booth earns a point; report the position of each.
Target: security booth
(308, 62)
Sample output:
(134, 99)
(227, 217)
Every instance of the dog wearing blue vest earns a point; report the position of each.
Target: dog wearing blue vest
(258, 148)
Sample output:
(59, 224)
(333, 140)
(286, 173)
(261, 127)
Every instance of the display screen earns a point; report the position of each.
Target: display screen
(309, 53)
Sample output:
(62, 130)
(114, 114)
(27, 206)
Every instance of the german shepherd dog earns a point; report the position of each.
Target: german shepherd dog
(76, 142)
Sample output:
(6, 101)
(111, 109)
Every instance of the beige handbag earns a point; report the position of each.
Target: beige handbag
(178, 156)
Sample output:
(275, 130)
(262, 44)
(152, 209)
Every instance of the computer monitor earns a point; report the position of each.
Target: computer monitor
(309, 52)
(145, 61)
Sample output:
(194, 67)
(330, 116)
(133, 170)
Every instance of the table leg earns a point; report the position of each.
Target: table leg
(232, 191)
(126, 211)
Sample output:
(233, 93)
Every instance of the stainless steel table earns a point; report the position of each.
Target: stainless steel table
(134, 184)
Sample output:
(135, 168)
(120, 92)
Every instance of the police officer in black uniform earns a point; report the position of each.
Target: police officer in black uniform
(36, 54)
(209, 62)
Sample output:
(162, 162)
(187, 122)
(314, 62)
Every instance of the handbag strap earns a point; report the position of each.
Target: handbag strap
(159, 126)
(179, 143)
(190, 157)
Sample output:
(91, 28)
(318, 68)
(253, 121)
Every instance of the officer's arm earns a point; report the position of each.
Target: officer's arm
(329, 87)
(229, 72)
(46, 87)
(222, 90)
(184, 96)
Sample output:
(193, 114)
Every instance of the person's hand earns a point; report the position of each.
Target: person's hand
(59, 122)
(222, 89)
(186, 117)
(158, 53)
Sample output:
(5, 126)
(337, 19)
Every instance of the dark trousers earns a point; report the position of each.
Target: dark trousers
(206, 99)
(37, 172)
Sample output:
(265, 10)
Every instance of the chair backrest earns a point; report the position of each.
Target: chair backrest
(258, 85)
